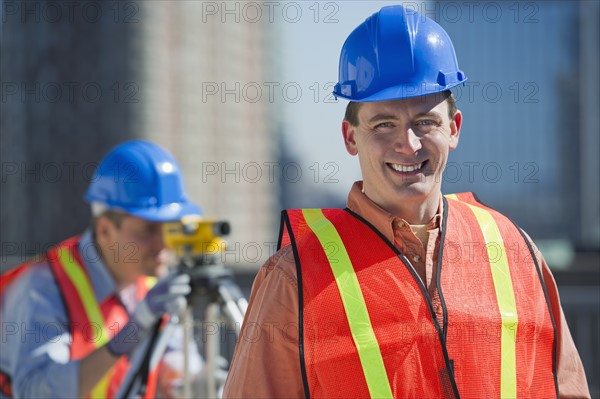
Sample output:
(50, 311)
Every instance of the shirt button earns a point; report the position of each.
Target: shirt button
(401, 224)
(417, 258)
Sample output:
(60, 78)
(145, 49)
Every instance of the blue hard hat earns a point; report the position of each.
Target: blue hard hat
(396, 53)
(142, 179)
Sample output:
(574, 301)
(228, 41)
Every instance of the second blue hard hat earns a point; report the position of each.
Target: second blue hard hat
(396, 53)
(141, 179)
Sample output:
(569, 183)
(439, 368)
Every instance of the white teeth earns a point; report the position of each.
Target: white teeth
(406, 168)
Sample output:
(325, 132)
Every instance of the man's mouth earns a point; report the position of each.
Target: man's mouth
(407, 168)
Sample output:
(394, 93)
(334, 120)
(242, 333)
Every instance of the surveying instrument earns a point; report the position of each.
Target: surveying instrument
(198, 244)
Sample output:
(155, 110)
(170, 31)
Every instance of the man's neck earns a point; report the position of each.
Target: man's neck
(416, 211)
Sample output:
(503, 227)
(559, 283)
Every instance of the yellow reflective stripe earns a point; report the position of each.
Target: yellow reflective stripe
(354, 303)
(86, 293)
(505, 296)
(150, 282)
(100, 391)
(451, 196)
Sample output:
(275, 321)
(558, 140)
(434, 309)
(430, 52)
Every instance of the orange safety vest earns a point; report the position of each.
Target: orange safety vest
(92, 325)
(368, 327)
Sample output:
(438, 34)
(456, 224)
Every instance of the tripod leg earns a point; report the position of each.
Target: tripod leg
(187, 322)
(235, 303)
(212, 350)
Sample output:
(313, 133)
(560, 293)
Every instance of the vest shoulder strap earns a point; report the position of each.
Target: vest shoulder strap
(293, 219)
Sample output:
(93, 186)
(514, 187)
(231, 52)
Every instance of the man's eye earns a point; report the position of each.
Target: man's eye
(427, 122)
(384, 125)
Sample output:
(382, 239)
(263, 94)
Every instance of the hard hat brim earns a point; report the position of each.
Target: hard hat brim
(166, 213)
(403, 91)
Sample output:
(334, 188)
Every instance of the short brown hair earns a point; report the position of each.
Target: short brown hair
(352, 109)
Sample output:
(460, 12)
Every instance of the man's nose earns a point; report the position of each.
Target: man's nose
(407, 142)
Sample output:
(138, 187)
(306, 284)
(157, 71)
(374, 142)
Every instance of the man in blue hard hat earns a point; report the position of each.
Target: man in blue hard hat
(406, 293)
(72, 318)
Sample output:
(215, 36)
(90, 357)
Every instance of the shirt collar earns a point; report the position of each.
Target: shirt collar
(381, 219)
(103, 283)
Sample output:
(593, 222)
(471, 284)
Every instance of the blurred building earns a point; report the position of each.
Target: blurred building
(64, 104)
(204, 68)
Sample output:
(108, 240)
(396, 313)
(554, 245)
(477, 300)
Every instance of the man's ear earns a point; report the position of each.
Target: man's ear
(349, 133)
(455, 125)
(103, 228)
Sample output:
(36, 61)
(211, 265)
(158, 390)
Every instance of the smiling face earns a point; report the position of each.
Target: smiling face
(403, 146)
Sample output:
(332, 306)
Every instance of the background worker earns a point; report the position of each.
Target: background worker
(406, 293)
(71, 318)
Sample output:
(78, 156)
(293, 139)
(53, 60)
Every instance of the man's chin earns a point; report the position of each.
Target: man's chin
(415, 191)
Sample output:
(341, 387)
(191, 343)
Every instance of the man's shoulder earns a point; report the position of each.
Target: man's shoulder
(36, 271)
(282, 262)
(36, 281)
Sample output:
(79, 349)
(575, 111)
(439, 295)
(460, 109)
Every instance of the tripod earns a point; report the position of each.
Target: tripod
(224, 305)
